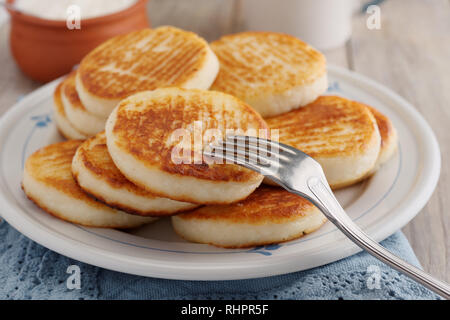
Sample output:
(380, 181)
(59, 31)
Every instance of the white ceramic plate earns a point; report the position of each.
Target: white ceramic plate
(381, 205)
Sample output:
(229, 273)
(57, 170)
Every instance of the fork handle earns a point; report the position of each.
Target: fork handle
(322, 197)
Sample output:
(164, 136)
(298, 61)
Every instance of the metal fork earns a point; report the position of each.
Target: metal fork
(298, 173)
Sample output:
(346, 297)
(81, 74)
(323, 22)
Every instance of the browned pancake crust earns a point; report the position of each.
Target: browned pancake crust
(265, 205)
(59, 107)
(70, 92)
(58, 104)
(146, 69)
(95, 157)
(57, 100)
(385, 126)
(320, 128)
(143, 127)
(52, 165)
(295, 63)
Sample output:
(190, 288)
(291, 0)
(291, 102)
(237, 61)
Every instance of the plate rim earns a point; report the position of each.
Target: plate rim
(431, 164)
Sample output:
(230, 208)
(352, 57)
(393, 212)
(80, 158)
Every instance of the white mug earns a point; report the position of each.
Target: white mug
(325, 24)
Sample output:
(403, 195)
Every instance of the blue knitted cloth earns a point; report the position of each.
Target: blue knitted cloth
(30, 271)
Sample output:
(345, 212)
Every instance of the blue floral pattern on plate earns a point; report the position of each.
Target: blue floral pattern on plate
(265, 250)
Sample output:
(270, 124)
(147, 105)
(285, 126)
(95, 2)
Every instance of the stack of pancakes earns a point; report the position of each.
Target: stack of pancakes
(142, 102)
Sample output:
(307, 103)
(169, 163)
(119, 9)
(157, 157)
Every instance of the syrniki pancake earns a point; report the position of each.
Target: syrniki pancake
(342, 135)
(389, 138)
(268, 215)
(97, 174)
(48, 182)
(144, 60)
(62, 123)
(84, 121)
(151, 136)
(272, 72)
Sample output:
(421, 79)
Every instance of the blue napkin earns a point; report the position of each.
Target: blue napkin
(30, 271)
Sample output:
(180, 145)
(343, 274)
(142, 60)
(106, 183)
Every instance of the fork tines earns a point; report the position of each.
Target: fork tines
(249, 150)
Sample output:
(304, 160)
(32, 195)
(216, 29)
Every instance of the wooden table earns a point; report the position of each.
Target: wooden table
(409, 54)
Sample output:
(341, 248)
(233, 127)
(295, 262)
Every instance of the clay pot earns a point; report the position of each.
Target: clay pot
(47, 49)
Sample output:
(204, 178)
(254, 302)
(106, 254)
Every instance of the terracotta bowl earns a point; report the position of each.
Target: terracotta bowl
(46, 49)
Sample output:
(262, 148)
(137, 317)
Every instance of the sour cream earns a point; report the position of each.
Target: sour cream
(57, 9)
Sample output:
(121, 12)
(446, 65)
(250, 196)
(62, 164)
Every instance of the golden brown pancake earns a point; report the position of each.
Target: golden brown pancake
(97, 174)
(272, 72)
(63, 124)
(389, 138)
(144, 60)
(342, 135)
(141, 136)
(48, 182)
(268, 215)
(81, 119)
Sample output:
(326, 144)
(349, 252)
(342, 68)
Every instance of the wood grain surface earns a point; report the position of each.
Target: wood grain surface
(409, 54)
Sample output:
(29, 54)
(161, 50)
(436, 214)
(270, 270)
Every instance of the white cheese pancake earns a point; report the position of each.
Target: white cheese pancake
(63, 124)
(142, 135)
(96, 174)
(81, 119)
(269, 215)
(272, 72)
(342, 135)
(48, 182)
(144, 60)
